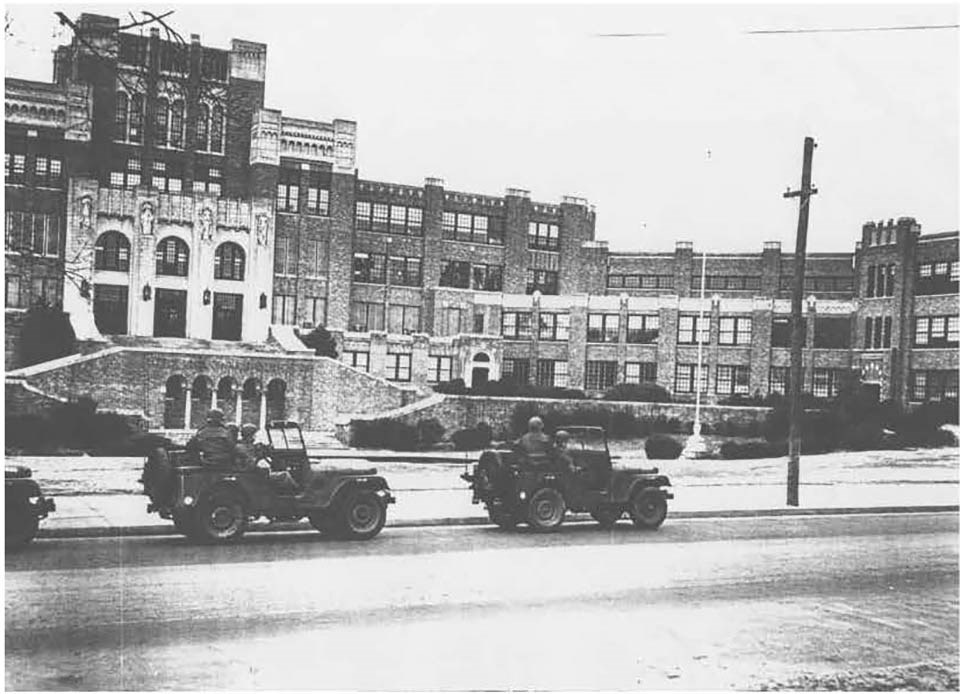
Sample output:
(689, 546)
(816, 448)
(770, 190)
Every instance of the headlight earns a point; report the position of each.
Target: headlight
(34, 500)
(188, 501)
(523, 496)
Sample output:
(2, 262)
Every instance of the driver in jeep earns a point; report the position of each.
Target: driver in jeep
(213, 443)
(535, 444)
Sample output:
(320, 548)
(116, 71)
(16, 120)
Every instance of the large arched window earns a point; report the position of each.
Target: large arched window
(135, 132)
(216, 130)
(203, 125)
(173, 257)
(176, 124)
(120, 114)
(228, 262)
(112, 252)
(161, 121)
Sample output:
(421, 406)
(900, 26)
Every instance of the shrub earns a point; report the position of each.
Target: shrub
(638, 392)
(662, 447)
(429, 432)
(386, 433)
(321, 342)
(455, 387)
(47, 334)
(921, 426)
(743, 450)
(474, 438)
(28, 432)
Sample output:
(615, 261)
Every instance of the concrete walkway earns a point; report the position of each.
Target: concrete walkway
(101, 496)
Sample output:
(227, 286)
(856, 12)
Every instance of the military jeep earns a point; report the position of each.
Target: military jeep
(539, 490)
(210, 503)
(26, 506)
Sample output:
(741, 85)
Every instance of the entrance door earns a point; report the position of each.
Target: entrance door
(227, 316)
(170, 313)
(480, 376)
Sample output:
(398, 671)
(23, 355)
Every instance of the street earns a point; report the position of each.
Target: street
(731, 603)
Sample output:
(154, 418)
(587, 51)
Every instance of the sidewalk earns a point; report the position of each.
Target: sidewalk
(101, 497)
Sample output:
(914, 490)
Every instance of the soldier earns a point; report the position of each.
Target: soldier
(213, 441)
(535, 444)
(246, 456)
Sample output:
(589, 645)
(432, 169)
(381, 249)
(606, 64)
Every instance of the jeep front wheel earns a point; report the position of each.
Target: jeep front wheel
(220, 517)
(607, 516)
(321, 522)
(361, 515)
(22, 525)
(182, 523)
(648, 508)
(546, 510)
(502, 519)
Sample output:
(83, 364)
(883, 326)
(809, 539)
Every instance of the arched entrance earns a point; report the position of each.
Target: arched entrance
(250, 402)
(174, 403)
(201, 397)
(276, 400)
(227, 398)
(480, 371)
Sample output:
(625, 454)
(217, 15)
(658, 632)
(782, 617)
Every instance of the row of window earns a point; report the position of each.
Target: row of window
(392, 219)
(727, 282)
(112, 253)
(640, 281)
(378, 268)
(33, 233)
(285, 310)
(46, 171)
(45, 290)
(543, 236)
(880, 280)
(877, 332)
(933, 385)
(169, 123)
(167, 177)
(466, 275)
(288, 193)
(472, 228)
(308, 257)
(394, 318)
(942, 277)
(819, 283)
(936, 331)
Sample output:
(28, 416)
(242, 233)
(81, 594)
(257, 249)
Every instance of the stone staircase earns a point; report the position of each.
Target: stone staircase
(194, 344)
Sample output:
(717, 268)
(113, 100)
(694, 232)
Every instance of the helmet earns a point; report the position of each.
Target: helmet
(215, 416)
(562, 435)
(248, 429)
(535, 424)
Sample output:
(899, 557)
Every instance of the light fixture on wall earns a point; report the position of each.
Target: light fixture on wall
(206, 297)
(263, 300)
(84, 289)
(147, 292)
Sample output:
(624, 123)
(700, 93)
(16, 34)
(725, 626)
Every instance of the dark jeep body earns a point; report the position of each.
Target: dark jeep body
(214, 504)
(26, 506)
(517, 488)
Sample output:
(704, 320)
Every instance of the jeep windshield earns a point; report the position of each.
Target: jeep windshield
(285, 438)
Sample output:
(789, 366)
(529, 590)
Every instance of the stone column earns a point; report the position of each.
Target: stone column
(188, 406)
(263, 409)
(238, 415)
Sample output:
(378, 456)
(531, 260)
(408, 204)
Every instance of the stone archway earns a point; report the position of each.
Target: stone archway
(226, 400)
(479, 370)
(201, 401)
(276, 400)
(175, 403)
(250, 401)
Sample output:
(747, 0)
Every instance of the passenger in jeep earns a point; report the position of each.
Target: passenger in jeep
(213, 441)
(535, 444)
(246, 456)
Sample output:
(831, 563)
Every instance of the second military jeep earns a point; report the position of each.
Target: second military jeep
(538, 490)
(214, 504)
(26, 506)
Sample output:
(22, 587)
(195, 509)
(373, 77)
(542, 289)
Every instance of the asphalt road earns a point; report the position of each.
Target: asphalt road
(699, 604)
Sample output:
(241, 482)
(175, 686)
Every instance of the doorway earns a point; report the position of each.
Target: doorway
(170, 313)
(227, 316)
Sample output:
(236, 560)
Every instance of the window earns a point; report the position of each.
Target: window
(203, 127)
(441, 370)
(933, 385)
(403, 320)
(288, 191)
(16, 165)
(831, 332)
(601, 375)
(683, 382)
(12, 296)
(398, 367)
(381, 216)
(30, 232)
(826, 382)
(405, 271)
(285, 256)
(166, 179)
(516, 325)
(487, 278)
(358, 360)
(121, 113)
(135, 127)
(544, 281)
(47, 291)
(687, 333)
(779, 379)
(48, 171)
(640, 372)
(515, 371)
(161, 117)
(176, 124)
(396, 219)
(730, 283)
(366, 316)
(207, 180)
(172, 257)
(110, 309)
(543, 236)
(603, 327)
(478, 320)
(877, 332)
(128, 118)
(455, 273)
(470, 228)
(819, 283)
(733, 380)
(780, 333)
(735, 330)
(643, 329)
(451, 320)
(318, 201)
(112, 252)
(370, 268)
(555, 326)
(284, 309)
(216, 129)
(880, 280)
(228, 262)
(129, 178)
(937, 331)
(317, 310)
(552, 373)
(938, 278)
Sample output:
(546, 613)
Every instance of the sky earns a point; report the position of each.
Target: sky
(690, 136)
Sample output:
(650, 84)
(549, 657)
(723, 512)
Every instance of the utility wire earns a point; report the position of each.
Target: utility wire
(923, 27)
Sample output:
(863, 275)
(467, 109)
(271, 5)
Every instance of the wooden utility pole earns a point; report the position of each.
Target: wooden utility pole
(797, 332)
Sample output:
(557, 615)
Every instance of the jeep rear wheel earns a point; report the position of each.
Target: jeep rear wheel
(361, 515)
(607, 516)
(546, 510)
(648, 508)
(502, 519)
(22, 525)
(220, 517)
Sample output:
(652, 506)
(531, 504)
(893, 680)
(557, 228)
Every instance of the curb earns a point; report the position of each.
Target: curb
(167, 529)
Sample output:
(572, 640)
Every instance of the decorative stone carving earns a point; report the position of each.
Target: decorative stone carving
(86, 212)
(263, 229)
(206, 224)
(146, 219)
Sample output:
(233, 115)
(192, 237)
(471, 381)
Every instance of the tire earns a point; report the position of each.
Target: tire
(546, 510)
(219, 517)
(607, 516)
(360, 516)
(648, 508)
(501, 518)
(22, 526)
(183, 523)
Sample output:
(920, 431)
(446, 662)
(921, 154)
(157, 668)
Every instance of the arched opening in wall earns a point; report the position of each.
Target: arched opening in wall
(480, 373)
(276, 400)
(201, 400)
(174, 403)
(227, 398)
(250, 402)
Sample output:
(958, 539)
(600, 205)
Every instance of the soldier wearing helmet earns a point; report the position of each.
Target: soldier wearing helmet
(535, 443)
(213, 442)
(246, 456)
